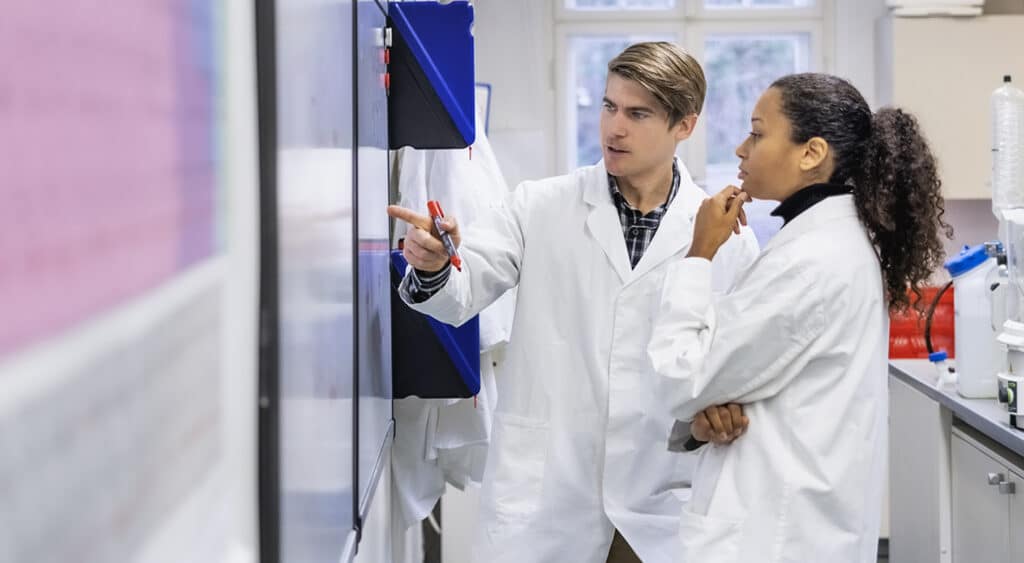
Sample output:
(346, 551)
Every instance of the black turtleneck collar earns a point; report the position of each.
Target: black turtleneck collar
(806, 198)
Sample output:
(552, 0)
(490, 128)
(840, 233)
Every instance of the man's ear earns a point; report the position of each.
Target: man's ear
(816, 151)
(685, 127)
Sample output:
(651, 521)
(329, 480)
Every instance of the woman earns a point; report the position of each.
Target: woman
(801, 338)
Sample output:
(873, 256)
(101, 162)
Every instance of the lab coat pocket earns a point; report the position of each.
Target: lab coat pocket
(518, 469)
(707, 539)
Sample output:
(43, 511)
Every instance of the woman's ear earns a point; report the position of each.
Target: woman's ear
(815, 154)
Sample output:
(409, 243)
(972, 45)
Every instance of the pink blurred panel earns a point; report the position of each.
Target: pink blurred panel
(90, 181)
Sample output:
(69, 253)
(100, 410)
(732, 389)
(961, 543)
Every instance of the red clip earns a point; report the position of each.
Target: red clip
(387, 56)
(387, 81)
(471, 152)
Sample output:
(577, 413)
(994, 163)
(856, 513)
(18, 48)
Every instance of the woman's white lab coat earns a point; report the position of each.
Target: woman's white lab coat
(577, 448)
(801, 340)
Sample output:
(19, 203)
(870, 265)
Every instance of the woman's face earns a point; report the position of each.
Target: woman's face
(770, 162)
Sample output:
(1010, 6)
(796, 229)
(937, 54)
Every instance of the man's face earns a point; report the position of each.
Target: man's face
(635, 135)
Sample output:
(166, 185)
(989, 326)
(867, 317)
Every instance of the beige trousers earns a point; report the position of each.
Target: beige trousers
(620, 552)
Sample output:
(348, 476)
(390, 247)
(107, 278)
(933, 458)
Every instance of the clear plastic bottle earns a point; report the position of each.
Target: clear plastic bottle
(1007, 147)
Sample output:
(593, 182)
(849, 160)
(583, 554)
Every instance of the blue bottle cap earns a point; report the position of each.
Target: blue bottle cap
(938, 356)
(968, 259)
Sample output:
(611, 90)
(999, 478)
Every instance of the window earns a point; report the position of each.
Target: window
(727, 4)
(743, 45)
(619, 4)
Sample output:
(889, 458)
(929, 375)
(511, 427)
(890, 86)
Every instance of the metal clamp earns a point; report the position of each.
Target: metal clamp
(1007, 488)
(994, 249)
(996, 478)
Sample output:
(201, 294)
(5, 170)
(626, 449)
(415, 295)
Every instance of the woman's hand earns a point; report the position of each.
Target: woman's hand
(719, 217)
(719, 424)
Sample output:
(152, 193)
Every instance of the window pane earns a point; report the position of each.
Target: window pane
(739, 68)
(620, 4)
(589, 56)
(719, 4)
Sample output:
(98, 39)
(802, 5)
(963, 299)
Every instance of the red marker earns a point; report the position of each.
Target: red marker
(436, 214)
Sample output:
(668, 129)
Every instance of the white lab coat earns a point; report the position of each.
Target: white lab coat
(801, 341)
(576, 448)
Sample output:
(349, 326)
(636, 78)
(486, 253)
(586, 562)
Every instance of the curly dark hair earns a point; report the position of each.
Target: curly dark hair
(885, 158)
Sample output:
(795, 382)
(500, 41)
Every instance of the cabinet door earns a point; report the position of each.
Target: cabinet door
(918, 55)
(980, 529)
(1016, 516)
(919, 482)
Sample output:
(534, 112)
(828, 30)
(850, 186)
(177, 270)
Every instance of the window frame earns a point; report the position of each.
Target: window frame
(690, 23)
(697, 10)
(565, 14)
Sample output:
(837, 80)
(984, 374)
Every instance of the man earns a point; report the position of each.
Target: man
(578, 468)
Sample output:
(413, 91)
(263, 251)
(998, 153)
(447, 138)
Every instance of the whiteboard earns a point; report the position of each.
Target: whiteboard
(326, 358)
(307, 420)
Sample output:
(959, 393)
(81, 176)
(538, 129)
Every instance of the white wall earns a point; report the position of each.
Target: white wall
(515, 53)
(973, 223)
(853, 25)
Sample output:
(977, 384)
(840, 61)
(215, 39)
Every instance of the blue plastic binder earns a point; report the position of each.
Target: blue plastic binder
(431, 99)
(430, 359)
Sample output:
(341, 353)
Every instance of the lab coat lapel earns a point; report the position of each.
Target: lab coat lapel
(676, 230)
(603, 220)
(823, 213)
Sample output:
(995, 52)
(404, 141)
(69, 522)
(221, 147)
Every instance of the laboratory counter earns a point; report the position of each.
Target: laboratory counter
(955, 466)
(987, 416)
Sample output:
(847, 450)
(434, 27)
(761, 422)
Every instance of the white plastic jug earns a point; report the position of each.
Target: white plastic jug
(976, 347)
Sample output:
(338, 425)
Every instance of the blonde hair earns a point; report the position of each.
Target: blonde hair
(671, 75)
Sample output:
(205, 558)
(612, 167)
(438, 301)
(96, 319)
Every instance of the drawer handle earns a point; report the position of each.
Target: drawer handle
(1007, 488)
(996, 478)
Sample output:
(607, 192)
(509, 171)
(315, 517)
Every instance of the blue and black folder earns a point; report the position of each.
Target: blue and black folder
(431, 101)
(431, 360)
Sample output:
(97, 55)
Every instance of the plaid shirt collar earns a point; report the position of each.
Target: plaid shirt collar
(639, 229)
(623, 206)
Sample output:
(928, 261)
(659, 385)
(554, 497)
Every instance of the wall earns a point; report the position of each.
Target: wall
(973, 223)
(522, 126)
(1004, 7)
(854, 45)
